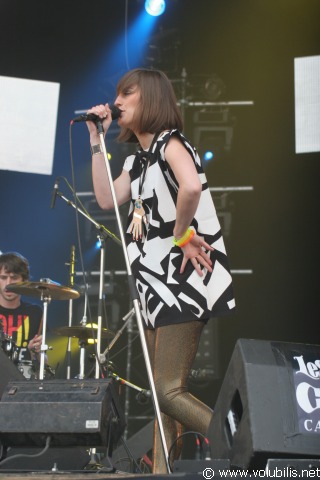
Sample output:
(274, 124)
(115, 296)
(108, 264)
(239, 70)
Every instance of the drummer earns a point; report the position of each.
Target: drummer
(20, 321)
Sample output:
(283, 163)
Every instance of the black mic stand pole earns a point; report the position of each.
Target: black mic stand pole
(102, 229)
(135, 297)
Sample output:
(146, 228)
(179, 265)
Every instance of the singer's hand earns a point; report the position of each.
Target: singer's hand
(103, 112)
(198, 252)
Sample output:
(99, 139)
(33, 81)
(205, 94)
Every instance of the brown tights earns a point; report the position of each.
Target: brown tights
(172, 350)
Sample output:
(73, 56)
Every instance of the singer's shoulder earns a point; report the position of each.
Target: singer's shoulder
(167, 135)
(128, 163)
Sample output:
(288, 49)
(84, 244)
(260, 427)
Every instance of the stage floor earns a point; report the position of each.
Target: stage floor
(6, 475)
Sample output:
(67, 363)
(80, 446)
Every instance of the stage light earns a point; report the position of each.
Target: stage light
(208, 155)
(213, 88)
(155, 7)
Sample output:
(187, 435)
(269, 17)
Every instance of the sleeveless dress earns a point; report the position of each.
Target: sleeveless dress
(166, 296)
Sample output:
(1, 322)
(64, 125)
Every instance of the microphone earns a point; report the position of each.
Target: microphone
(86, 117)
(143, 397)
(54, 193)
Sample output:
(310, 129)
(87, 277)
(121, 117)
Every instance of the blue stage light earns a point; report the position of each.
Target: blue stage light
(155, 7)
(208, 155)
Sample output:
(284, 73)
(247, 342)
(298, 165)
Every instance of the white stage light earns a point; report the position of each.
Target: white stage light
(155, 7)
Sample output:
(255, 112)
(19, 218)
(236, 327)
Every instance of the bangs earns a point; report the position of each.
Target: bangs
(157, 110)
(129, 80)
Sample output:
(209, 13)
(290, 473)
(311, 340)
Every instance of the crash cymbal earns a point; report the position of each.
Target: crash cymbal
(84, 333)
(53, 290)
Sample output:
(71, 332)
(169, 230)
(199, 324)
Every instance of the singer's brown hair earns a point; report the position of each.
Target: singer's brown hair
(158, 109)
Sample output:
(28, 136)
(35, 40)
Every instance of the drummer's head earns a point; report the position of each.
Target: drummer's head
(14, 262)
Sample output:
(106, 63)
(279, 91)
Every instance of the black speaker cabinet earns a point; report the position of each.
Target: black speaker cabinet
(71, 412)
(8, 371)
(268, 405)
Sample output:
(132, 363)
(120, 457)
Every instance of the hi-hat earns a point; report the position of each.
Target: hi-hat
(53, 290)
(83, 333)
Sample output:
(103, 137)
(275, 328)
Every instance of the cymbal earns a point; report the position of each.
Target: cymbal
(43, 289)
(84, 333)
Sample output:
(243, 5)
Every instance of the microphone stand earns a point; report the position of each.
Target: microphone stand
(102, 229)
(134, 297)
(103, 234)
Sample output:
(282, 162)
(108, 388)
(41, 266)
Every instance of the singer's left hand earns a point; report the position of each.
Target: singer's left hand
(196, 251)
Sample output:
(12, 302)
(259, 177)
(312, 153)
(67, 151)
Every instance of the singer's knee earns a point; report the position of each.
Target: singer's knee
(168, 396)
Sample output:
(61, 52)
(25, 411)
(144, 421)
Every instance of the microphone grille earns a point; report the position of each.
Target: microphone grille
(115, 112)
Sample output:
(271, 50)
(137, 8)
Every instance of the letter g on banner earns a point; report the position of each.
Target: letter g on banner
(308, 397)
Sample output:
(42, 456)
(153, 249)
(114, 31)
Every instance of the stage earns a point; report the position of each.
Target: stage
(265, 423)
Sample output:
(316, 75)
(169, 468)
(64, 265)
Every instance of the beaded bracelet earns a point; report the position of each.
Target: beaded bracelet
(186, 237)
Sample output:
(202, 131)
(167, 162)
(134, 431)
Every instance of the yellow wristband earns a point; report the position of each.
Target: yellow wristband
(186, 237)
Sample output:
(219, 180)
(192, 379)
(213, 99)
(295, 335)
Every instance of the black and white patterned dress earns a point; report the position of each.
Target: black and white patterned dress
(167, 296)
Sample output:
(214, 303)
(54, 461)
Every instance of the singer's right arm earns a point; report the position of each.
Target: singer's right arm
(99, 172)
(102, 187)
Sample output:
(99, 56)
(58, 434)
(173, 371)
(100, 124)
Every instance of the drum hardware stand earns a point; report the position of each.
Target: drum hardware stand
(46, 299)
(83, 343)
(71, 264)
(100, 304)
(126, 318)
(134, 296)
(103, 359)
(143, 394)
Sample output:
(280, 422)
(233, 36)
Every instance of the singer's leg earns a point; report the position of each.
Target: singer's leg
(173, 349)
(172, 429)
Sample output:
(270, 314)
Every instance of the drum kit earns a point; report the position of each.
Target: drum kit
(47, 290)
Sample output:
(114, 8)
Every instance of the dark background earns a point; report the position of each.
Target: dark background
(251, 46)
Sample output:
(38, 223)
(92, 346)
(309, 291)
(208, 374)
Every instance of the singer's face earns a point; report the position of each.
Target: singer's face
(128, 101)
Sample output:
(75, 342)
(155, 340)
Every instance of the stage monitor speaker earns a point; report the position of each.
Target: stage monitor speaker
(268, 405)
(8, 371)
(33, 459)
(71, 412)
